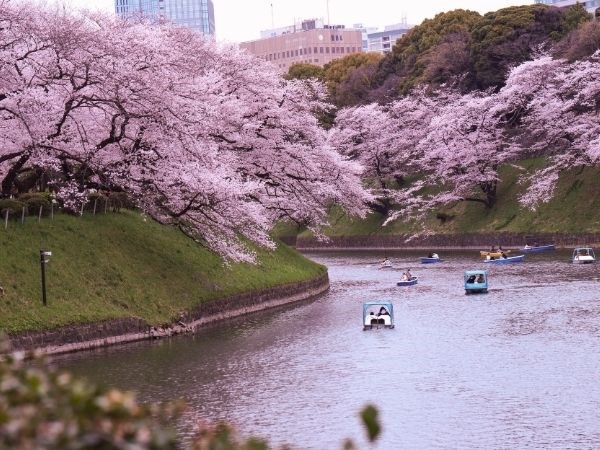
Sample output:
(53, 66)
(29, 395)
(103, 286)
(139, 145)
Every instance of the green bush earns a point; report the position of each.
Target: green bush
(41, 408)
(96, 197)
(119, 200)
(11, 205)
(33, 201)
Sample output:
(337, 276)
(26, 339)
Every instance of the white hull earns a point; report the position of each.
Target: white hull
(584, 261)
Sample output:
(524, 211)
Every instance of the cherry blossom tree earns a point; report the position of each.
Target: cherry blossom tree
(562, 119)
(384, 139)
(201, 136)
(466, 145)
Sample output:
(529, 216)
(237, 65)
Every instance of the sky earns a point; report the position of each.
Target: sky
(242, 20)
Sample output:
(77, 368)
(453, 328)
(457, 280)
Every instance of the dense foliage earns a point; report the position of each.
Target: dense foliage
(41, 408)
(201, 136)
(463, 49)
(349, 80)
(452, 144)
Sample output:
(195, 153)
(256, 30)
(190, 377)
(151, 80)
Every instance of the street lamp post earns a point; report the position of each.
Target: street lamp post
(43, 262)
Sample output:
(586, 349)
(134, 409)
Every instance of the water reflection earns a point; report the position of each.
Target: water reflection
(515, 368)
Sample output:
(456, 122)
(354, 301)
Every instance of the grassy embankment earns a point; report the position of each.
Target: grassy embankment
(118, 265)
(574, 209)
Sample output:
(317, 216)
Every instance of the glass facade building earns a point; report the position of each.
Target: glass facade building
(198, 15)
(590, 5)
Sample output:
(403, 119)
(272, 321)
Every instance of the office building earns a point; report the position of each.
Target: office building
(198, 15)
(383, 41)
(308, 41)
(590, 5)
(364, 30)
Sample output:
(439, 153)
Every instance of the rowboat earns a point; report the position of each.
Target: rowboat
(495, 254)
(378, 315)
(387, 264)
(411, 282)
(431, 260)
(584, 255)
(538, 248)
(476, 282)
(508, 260)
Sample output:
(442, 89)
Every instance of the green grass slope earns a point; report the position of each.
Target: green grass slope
(119, 265)
(574, 209)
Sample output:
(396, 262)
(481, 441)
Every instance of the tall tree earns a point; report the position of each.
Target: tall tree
(217, 144)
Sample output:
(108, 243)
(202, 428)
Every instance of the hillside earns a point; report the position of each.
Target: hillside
(120, 265)
(574, 209)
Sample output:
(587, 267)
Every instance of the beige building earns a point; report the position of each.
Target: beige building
(309, 42)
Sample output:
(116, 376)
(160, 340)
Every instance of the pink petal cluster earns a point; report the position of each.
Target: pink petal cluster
(199, 135)
(451, 145)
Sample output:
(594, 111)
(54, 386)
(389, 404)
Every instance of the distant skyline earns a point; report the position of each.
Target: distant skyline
(242, 20)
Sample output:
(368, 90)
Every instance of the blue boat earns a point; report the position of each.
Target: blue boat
(431, 260)
(507, 260)
(378, 315)
(538, 248)
(411, 282)
(476, 282)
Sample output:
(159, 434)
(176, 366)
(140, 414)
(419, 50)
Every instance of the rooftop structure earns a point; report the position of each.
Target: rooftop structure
(590, 5)
(308, 41)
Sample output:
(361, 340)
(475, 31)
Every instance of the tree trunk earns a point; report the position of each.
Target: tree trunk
(8, 182)
(382, 206)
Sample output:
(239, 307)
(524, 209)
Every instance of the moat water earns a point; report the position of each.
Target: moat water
(516, 368)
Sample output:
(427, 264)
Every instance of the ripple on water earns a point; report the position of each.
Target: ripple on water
(516, 368)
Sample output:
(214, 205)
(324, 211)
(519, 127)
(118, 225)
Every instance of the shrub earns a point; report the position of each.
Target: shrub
(42, 408)
(97, 197)
(11, 205)
(33, 201)
(119, 200)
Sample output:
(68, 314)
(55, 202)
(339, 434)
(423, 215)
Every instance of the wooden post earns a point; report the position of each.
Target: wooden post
(6, 219)
(105, 204)
(95, 203)
(52, 210)
(23, 215)
(40, 214)
(81, 212)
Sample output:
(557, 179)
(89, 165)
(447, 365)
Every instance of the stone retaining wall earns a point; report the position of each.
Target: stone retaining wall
(447, 241)
(100, 334)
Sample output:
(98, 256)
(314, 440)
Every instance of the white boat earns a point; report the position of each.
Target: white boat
(378, 315)
(584, 255)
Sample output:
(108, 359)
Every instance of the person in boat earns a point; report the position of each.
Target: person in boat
(430, 255)
(471, 279)
(383, 311)
(435, 256)
(480, 279)
(404, 277)
(408, 274)
(503, 255)
(493, 249)
(386, 262)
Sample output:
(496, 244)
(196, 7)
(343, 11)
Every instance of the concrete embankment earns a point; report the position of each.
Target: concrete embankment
(110, 332)
(443, 241)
